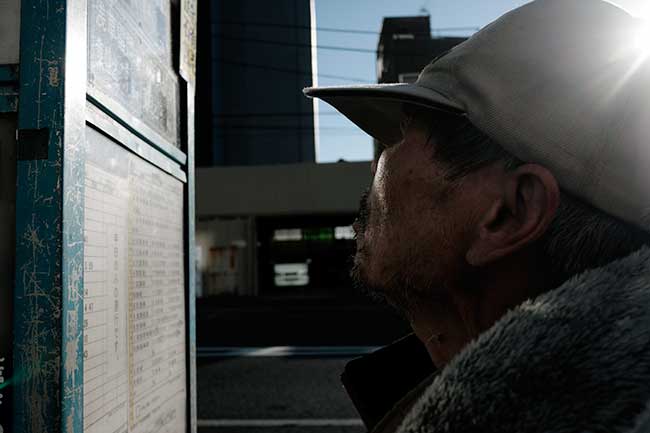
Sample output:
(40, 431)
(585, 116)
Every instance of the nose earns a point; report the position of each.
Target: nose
(356, 226)
(377, 159)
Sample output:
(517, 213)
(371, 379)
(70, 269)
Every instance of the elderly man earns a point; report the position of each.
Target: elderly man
(508, 218)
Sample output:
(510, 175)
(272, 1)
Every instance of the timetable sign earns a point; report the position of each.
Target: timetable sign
(134, 306)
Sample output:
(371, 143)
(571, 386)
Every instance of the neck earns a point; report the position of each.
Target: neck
(443, 328)
(448, 322)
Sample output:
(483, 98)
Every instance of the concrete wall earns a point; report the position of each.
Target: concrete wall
(294, 189)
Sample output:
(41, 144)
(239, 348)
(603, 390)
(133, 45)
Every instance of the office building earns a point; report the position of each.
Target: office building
(254, 59)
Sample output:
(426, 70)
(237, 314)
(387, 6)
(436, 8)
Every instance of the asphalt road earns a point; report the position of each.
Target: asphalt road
(270, 390)
(266, 389)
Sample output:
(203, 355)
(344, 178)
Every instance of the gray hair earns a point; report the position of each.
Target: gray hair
(580, 237)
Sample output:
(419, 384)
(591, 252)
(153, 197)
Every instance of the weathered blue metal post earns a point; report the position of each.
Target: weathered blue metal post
(104, 242)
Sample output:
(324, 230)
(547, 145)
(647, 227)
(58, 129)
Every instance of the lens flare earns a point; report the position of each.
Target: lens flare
(641, 41)
(634, 50)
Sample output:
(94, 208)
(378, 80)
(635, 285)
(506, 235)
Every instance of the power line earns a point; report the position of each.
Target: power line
(283, 128)
(339, 30)
(393, 52)
(296, 44)
(275, 133)
(256, 115)
(290, 71)
(325, 133)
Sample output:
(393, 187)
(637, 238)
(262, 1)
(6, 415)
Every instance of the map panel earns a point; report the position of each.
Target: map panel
(130, 61)
(134, 304)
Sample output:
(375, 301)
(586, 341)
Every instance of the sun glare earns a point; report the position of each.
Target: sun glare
(641, 41)
(638, 8)
(635, 43)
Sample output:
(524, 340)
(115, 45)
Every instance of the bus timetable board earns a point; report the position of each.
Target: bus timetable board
(103, 330)
(134, 311)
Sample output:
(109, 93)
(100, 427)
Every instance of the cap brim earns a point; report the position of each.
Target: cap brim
(377, 108)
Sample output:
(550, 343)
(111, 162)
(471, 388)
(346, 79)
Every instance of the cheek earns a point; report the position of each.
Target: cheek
(380, 203)
(406, 208)
(382, 243)
(431, 229)
(393, 231)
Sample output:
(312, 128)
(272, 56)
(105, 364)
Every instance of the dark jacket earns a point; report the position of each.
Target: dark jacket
(575, 359)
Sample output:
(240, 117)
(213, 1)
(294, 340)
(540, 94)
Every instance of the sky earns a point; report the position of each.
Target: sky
(339, 138)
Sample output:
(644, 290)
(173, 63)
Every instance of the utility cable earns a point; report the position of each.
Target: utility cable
(223, 116)
(283, 128)
(393, 52)
(276, 133)
(339, 30)
(294, 44)
(290, 71)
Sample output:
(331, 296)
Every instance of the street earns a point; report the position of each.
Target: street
(273, 365)
(240, 390)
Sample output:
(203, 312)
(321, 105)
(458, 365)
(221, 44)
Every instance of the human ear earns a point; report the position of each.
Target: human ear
(519, 215)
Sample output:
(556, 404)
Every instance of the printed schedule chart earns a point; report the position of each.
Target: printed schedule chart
(134, 304)
(105, 301)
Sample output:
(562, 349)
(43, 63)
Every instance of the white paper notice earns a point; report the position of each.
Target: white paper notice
(134, 305)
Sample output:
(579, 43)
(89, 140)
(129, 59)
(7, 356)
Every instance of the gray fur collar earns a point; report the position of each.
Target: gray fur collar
(574, 359)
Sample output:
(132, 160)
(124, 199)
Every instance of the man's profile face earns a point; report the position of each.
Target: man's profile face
(412, 225)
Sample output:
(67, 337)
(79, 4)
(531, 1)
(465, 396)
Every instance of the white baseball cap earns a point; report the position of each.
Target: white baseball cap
(561, 83)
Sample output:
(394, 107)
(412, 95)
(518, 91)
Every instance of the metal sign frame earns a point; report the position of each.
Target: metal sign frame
(54, 109)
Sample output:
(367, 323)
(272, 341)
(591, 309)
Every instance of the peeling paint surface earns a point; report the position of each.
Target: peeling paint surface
(49, 292)
(72, 273)
(49, 251)
(73, 210)
(53, 75)
(38, 295)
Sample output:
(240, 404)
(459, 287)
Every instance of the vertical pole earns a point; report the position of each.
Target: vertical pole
(49, 212)
(74, 157)
(191, 263)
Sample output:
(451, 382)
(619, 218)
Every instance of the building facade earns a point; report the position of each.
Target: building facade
(278, 229)
(254, 59)
(405, 47)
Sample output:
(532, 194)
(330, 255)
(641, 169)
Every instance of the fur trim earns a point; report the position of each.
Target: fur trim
(643, 422)
(574, 359)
